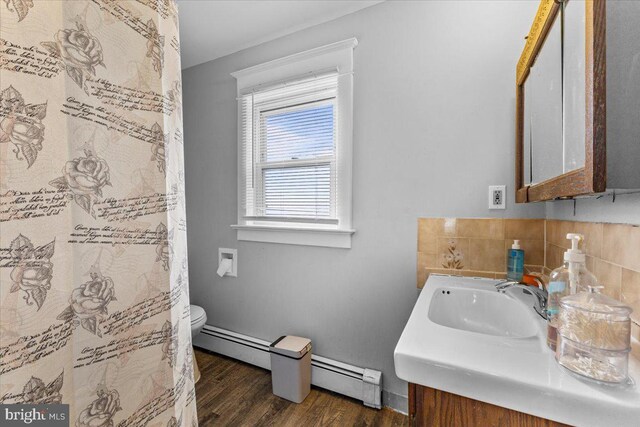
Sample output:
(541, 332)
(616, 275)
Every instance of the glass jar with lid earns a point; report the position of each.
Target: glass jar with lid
(594, 336)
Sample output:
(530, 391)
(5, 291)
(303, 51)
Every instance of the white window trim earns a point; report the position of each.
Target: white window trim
(338, 56)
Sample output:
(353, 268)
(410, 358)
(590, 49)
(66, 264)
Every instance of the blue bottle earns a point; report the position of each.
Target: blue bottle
(515, 262)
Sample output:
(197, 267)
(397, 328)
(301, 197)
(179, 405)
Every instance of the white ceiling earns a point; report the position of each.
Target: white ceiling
(210, 29)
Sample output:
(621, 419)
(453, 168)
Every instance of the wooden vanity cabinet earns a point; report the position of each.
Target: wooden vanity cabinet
(429, 407)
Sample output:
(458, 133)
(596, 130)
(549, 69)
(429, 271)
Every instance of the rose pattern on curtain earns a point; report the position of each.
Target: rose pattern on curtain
(94, 298)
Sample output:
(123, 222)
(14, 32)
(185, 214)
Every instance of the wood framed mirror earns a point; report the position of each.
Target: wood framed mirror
(560, 85)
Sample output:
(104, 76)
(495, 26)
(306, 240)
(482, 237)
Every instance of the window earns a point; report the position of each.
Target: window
(295, 148)
(289, 150)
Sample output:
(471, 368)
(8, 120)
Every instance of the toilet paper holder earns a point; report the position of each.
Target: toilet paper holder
(227, 262)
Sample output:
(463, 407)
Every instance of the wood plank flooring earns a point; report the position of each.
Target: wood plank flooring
(233, 393)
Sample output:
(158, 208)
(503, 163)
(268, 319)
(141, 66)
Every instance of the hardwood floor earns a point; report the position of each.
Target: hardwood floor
(233, 393)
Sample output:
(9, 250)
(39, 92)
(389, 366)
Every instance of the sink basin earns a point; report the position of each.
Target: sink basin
(464, 337)
(480, 311)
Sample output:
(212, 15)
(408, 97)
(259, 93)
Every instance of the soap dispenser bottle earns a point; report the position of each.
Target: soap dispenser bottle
(515, 262)
(568, 279)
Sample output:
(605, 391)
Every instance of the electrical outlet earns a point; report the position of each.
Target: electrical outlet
(497, 197)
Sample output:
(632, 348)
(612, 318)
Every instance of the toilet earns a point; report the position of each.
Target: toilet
(198, 320)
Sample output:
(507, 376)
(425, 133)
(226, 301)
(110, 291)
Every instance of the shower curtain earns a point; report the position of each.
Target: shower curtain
(94, 304)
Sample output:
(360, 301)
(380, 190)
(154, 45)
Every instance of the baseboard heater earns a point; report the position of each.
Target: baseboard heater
(359, 383)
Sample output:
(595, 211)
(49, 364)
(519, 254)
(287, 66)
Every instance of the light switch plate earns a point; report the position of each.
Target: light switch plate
(497, 197)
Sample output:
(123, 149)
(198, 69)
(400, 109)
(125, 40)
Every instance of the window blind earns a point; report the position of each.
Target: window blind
(288, 152)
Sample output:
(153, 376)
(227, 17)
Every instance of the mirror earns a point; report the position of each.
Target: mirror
(543, 94)
(574, 107)
(526, 136)
(560, 103)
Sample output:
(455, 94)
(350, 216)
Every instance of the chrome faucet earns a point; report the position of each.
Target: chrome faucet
(541, 296)
(505, 284)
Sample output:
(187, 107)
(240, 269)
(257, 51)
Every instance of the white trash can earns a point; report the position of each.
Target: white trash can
(291, 367)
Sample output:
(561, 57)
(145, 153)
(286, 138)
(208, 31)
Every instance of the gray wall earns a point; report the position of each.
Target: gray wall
(433, 127)
(625, 209)
(623, 94)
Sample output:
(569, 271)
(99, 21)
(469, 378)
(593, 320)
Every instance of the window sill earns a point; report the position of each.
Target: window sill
(295, 235)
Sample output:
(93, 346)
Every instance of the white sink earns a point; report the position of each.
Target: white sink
(481, 311)
(465, 338)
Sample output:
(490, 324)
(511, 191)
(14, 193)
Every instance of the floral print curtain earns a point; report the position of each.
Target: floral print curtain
(94, 304)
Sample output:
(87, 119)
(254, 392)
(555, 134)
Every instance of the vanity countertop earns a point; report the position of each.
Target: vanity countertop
(516, 373)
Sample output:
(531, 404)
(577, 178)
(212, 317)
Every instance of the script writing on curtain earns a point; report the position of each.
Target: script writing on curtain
(94, 303)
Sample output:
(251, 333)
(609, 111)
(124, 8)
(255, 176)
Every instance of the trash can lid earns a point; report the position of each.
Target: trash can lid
(291, 346)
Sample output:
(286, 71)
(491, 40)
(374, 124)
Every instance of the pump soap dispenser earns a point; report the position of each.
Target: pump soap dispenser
(568, 279)
(515, 262)
(579, 277)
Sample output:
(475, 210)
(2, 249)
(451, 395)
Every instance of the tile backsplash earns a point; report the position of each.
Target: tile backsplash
(613, 255)
(478, 247)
